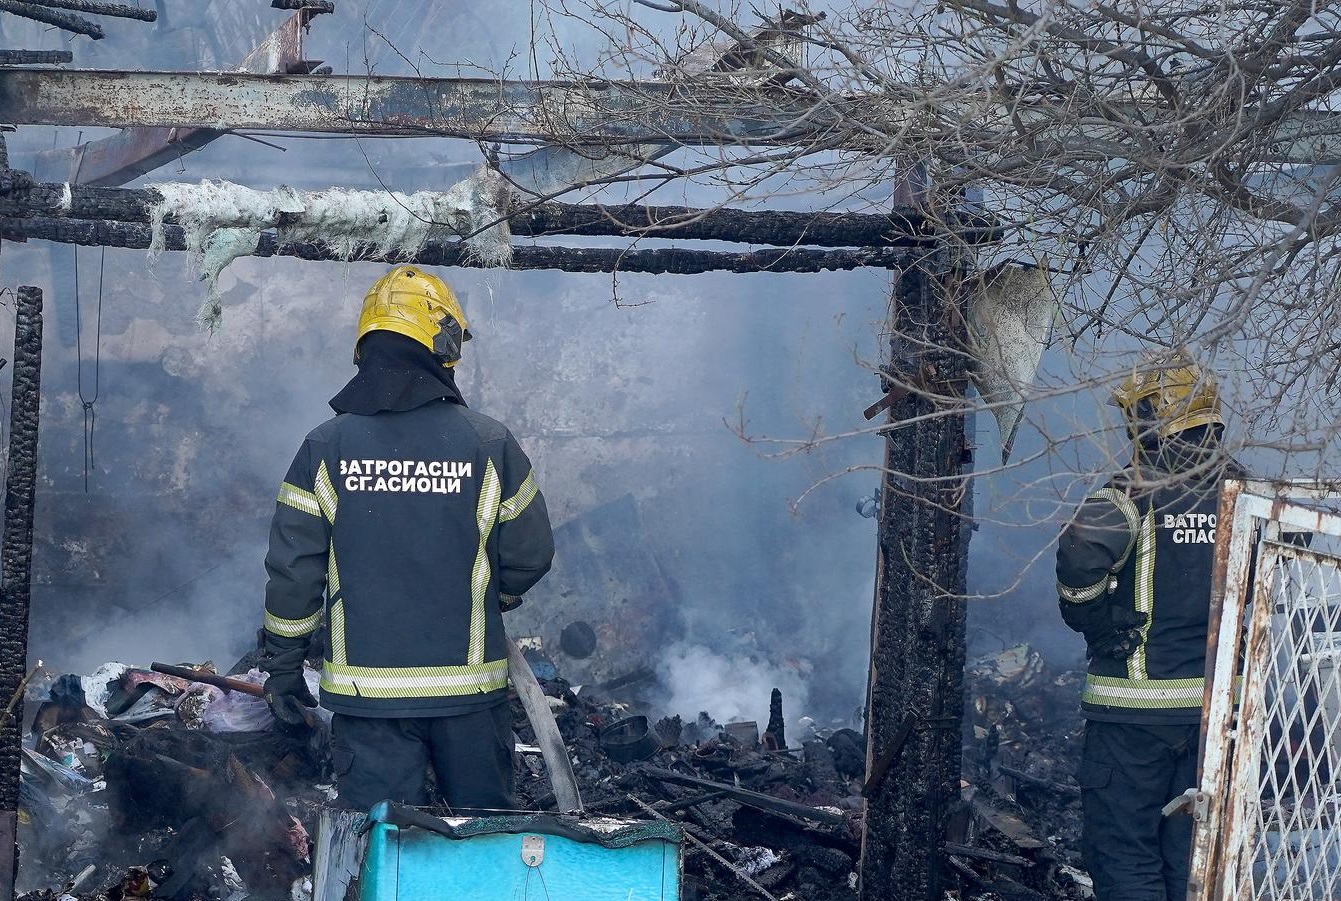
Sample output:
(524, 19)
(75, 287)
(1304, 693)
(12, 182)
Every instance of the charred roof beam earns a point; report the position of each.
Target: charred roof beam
(656, 261)
(777, 227)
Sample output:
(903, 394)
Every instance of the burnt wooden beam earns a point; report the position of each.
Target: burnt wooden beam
(777, 227)
(915, 690)
(657, 261)
(62, 20)
(324, 6)
(825, 229)
(34, 57)
(757, 800)
(16, 549)
(97, 8)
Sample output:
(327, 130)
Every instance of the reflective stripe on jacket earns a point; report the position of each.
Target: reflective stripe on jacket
(408, 530)
(1145, 543)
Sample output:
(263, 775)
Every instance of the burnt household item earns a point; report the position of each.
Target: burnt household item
(745, 733)
(543, 668)
(629, 739)
(578, 639)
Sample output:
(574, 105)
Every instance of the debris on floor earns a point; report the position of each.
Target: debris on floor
(138, 784)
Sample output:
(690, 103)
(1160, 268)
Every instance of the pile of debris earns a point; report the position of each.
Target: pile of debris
(140, 784)
(1022, 741)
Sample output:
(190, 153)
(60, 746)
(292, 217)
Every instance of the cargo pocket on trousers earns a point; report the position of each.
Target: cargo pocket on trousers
(342, 761)
(503, 732)
(1091, 775)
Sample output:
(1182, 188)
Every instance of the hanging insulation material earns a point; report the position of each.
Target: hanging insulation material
(1010, 323)
(223, 221)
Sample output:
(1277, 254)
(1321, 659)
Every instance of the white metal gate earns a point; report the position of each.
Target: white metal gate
(1268, 809)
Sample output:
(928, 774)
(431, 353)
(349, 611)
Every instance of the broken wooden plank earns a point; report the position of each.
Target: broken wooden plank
(1009, 825)
(751, 798)
(699, 843)
(691, 801)
(34, 57)
(62, 20)
(1060, 788)
(985, 854)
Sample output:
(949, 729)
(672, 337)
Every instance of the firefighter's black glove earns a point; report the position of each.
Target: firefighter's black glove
(1109, 631)
(286, 690)
(287, 694)
(1122, 638)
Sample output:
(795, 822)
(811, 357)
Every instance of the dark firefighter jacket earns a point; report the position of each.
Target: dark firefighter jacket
(1145, 544)
(412, 528)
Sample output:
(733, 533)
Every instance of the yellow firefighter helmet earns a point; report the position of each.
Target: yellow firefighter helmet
(1169, 393)
(411, 302)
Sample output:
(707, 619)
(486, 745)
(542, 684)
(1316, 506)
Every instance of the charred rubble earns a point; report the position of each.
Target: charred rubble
(137, 784)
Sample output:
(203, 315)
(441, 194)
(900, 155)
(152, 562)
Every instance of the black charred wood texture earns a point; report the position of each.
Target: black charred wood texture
(777, 723)
(117, 10)
(62, 20)
(781, 227)
(662, 260)
(34, 57)
(917, 653)
(16, 545)
(321, 6)
(776, 227)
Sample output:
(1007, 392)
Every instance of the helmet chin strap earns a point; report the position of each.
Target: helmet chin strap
(447, 342)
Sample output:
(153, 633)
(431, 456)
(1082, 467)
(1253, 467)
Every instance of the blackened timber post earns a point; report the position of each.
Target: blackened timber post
(16, 548)
(915, 692)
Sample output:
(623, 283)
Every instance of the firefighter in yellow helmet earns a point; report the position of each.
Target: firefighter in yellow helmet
(409, 523)
(1134, 577)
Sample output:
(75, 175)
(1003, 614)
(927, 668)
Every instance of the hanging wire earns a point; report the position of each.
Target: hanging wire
(90, 414)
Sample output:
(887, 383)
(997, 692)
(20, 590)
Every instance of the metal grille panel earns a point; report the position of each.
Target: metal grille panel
(1269, 808)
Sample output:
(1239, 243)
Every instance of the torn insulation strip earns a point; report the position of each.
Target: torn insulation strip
(223, 221)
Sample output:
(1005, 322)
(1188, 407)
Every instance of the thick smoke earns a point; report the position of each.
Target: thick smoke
(654, 394)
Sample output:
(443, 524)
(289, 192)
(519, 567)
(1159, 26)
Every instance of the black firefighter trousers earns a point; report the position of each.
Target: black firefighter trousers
(379, 759)
(1127, 774)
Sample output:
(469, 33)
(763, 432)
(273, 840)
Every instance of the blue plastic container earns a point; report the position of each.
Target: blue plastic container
(411, 855)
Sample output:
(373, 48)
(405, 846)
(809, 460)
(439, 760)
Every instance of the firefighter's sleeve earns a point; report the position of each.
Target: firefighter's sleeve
(1092, 548)
(296, 561)
(525, 541)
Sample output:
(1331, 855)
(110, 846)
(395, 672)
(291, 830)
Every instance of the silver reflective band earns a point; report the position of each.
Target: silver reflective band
(414, 682)
(299, 499)
(1147, 694)
(291, 628)
(1081, 595)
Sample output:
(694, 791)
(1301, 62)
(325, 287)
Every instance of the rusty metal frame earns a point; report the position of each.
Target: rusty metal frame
(139, 150)
(607, 113)
(1250, 514)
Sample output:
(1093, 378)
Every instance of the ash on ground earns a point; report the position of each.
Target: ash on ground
(140, 785)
